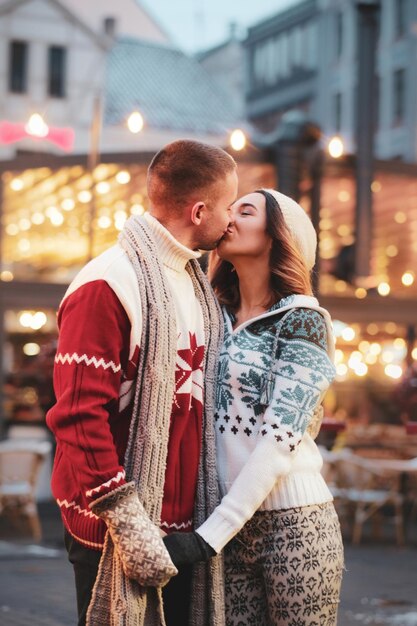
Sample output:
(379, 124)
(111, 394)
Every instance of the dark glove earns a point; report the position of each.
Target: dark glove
(187, 548)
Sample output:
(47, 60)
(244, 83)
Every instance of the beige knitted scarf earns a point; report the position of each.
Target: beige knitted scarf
(117, 600)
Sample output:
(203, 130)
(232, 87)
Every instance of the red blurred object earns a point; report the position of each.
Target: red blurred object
(333, 425)
(61, 137)
(411, 428)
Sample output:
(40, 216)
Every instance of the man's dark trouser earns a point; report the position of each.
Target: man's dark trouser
(85, 562)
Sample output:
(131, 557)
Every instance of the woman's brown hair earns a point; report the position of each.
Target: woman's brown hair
(289, 273)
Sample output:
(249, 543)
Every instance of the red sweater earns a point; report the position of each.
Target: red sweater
(95, 368)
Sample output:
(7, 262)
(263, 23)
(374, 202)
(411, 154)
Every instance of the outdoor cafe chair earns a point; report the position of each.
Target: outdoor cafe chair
(20, 464)
(364, 490)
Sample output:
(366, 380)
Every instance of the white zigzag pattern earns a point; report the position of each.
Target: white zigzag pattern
(72, 505)
(116, 479)
(177, 526)
(69, 358)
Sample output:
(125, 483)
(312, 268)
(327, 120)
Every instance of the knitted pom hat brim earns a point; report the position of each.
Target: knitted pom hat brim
(299, 225)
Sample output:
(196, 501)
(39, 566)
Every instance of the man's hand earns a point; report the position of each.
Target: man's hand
(187, 548)
(136, 539)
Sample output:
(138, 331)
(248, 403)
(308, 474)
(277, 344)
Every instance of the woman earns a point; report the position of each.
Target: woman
(283, 547)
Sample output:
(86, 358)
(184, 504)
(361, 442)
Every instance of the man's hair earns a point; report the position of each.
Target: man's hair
(185, 171)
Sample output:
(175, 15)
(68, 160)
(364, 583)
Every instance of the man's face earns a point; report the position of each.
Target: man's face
(217, 216)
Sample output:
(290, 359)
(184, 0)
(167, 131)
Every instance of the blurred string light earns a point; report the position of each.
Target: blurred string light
(336, 147)
(407, 279)
(37, 126)
(393, 371)
(392, 250)
(369, 356)
(400, 217)
(237, 140)
(348, 334)
(383, 289)
(6, 276)
(135, 122)
(361, 293)
(17, 184)
(32, 319)
(123, 177)
(68, 204)
(85, 196)
(103, 187)
(31, 349)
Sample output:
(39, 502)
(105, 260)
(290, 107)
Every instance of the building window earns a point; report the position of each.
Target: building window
(399, 96)
(400, 19)
(57, 71)
(337, 112)
(339, 34)
(18, 62)
(109, 24)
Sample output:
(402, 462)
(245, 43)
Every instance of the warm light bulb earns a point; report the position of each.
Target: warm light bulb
(407, 279)
(348, 334)
(361, 369)
(17, 184)
(361, 293)
(36, 126)
(238, 139)
(31, 349)
(103, 187)
(393, 371)
(135, 122)
(383, 289)
(336, 147)
(123, 177)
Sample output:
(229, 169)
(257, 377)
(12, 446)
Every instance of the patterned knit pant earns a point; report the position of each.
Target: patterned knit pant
(285, 568)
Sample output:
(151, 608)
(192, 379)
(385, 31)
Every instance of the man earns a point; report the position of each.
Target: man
(138, 334)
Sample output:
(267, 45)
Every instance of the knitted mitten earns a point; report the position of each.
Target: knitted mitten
(136, 539)
(187, 548)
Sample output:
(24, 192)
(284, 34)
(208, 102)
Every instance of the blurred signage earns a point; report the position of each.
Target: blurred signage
(11, 132)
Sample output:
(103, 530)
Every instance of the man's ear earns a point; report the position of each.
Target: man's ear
(197, 213)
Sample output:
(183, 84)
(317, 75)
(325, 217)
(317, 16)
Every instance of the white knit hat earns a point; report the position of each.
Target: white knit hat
(299, 225)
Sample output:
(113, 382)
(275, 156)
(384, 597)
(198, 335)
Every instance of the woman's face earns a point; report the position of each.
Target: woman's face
(246, 235)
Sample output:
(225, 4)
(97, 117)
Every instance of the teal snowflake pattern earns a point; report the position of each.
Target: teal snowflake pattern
(295, 406)
(251, 383)
(224, 396)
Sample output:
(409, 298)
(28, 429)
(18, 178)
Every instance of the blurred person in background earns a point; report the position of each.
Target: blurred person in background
(277, 524)
(139, 335)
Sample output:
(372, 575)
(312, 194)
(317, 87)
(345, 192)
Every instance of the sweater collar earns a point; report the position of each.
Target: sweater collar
(172, 253)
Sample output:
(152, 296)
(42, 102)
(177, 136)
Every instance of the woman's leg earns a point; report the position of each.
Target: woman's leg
(303, 566)
(245, 598)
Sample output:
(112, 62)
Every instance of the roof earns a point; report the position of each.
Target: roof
(171, 90)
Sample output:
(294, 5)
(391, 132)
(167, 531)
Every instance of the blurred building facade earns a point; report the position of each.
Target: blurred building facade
(226, 65)
(84, 65)
(306, 57)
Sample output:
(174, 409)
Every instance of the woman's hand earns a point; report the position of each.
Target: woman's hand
(187, 548)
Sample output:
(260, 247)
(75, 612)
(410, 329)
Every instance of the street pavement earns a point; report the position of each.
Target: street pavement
(36, 581)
